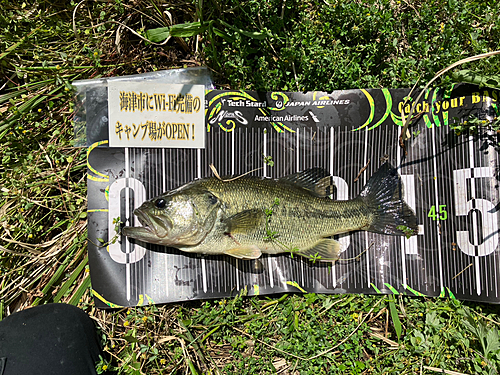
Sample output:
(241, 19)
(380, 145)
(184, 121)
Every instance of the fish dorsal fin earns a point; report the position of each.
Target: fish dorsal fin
(325, 250)
(315, 180)
(244, 252)
(244, 221)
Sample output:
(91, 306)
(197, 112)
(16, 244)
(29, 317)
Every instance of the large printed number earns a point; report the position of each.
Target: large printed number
(485, 208)
(342, 194)
(121, 252)
(411, 245)
(408, 181)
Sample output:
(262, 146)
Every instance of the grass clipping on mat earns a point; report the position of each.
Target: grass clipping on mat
(407, 120)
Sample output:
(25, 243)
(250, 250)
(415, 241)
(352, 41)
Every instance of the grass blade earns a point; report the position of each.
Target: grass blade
(251, 34)
(158, 35)
(468, 76)
(74, 275)
(15, 45)
(80, 291)
(185, 30)
(395, 317)
(57, 275)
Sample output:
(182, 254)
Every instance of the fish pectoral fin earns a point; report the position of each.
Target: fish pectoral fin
(325, 250)
(244, 252)
(244, 221)
(316, 181)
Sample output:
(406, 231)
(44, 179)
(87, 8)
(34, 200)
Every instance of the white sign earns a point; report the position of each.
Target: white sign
(149, 114)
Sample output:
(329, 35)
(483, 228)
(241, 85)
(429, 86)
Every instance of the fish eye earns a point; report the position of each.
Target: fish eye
(160, 203)
(212, 199)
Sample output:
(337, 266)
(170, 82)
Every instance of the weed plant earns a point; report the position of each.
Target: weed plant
(252, 44)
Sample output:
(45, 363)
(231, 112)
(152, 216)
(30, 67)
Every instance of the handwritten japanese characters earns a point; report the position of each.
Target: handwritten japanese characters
(159, 115)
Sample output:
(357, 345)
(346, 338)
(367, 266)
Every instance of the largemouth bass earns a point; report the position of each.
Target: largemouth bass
(248, 216)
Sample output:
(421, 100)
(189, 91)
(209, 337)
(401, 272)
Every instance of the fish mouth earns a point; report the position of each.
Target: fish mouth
(144, 220)
(152, 227)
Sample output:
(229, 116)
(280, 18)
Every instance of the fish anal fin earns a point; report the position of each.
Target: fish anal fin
(325, 250)
(244, 221)
(316, 181)
(244, 252)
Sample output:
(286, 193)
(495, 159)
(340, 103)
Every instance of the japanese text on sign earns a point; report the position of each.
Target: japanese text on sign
(155, 130)
(142, 114)
(131, 101)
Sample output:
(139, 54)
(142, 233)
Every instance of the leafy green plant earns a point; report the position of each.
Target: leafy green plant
(408, 232)
(488, 338)
(273, 236)
(268, 160)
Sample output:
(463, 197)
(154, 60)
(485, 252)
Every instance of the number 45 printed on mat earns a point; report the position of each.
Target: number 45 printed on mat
(440, 215)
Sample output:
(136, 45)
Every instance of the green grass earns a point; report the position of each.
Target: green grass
(309, 334)
(259, 45)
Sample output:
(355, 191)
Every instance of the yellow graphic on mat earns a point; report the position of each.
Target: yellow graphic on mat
(102, 177)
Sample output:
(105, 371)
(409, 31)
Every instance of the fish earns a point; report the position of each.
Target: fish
(249, 216)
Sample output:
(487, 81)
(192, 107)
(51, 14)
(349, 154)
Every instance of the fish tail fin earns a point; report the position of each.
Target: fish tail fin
(383, 194)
